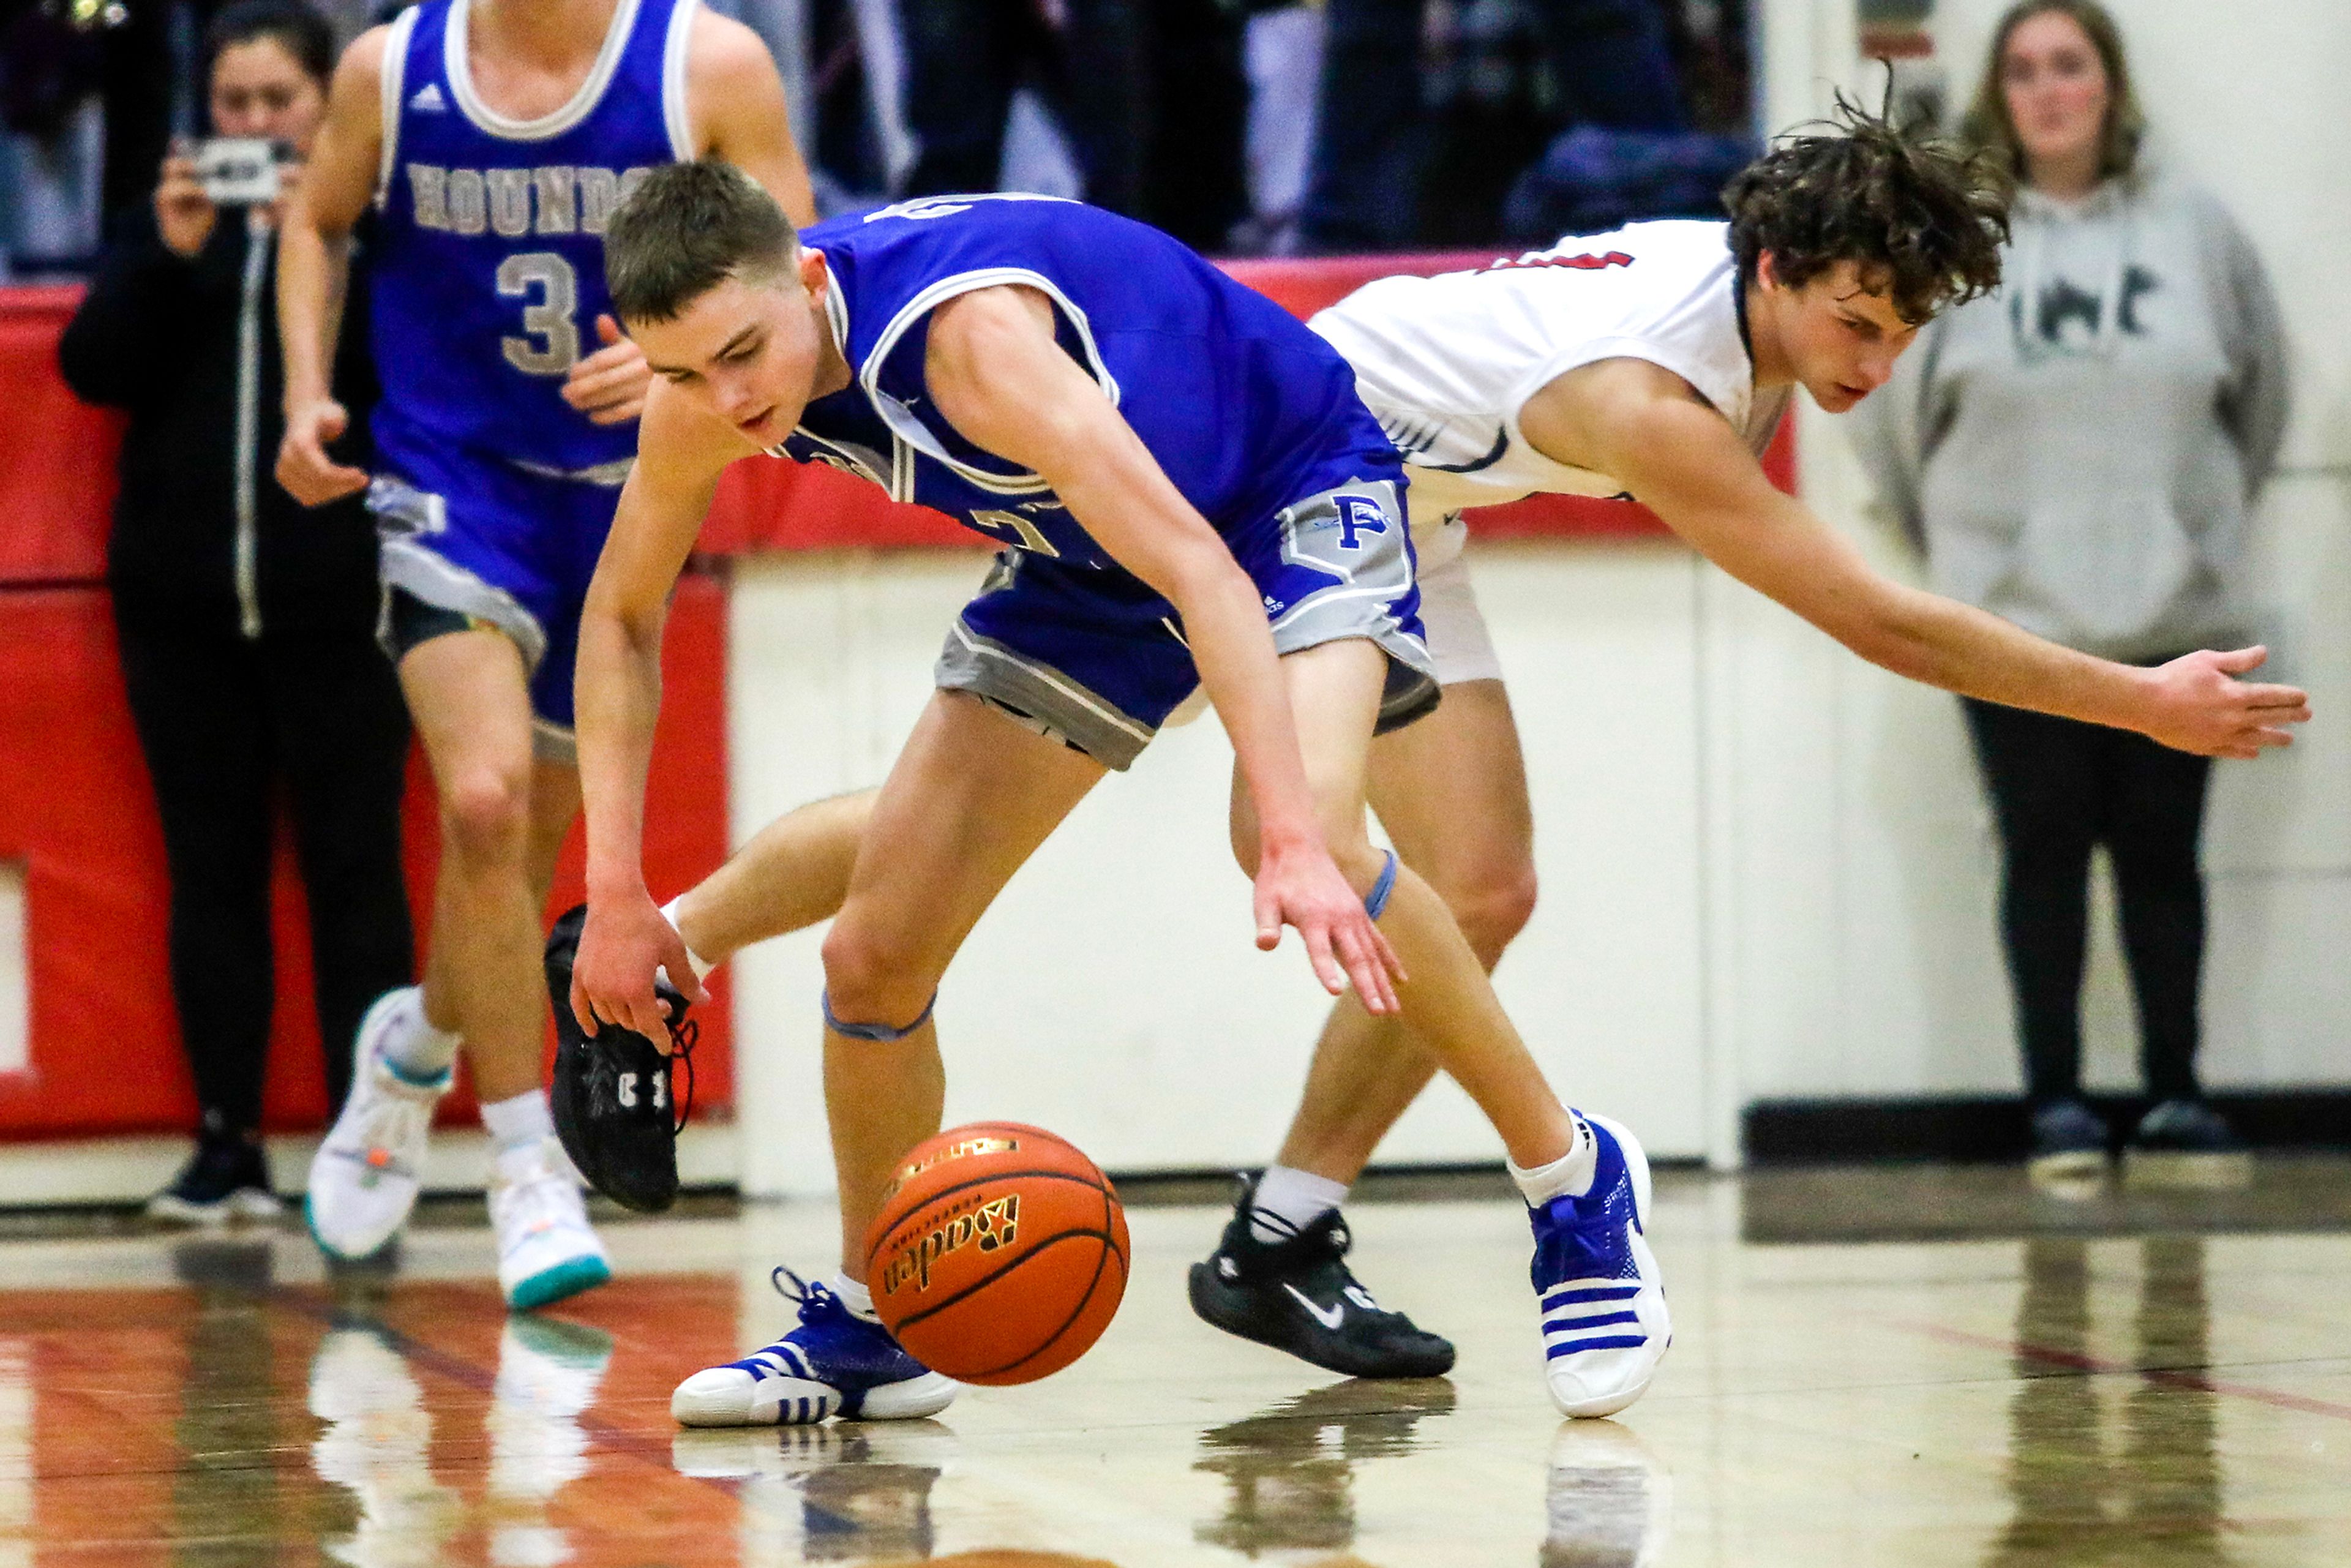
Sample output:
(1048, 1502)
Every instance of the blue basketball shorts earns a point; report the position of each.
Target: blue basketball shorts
(1097, 660)
(479, 541)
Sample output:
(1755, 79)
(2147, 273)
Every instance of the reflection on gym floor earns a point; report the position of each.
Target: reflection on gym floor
(2170, 1401)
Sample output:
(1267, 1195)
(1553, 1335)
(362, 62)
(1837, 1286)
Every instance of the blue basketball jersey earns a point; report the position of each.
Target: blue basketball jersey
(1233, 396)
(489, 264)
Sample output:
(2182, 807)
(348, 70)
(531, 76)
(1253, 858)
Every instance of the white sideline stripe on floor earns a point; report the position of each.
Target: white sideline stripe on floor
(132, 1169)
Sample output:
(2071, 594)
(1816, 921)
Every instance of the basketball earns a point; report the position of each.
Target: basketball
(999, 1255)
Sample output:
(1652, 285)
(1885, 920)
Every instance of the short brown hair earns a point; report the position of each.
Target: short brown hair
(1990, 126)
(1923, 220)
(687, 228)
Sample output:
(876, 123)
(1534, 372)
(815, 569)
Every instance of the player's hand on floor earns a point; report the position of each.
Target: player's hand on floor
(608, 386)
(1304, 888)
(624, 942)
(2201, 707)
(308, 474)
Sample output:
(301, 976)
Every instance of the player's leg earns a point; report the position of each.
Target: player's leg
(1585, 1179)
(1451, 792)
(466, 688)
(972, 796)
(791, 875)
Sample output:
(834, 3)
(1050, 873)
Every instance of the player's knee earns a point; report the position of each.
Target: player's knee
(871, 977)
(486, 815)
(1494, 910)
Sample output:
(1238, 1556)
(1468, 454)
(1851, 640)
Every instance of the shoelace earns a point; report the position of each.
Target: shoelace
(814, 1297)
(536, 1202)
(396, 1119)
(1338, 1238)
(684, 1035)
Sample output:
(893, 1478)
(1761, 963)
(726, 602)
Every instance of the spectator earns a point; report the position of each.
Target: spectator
(1611, 63)
(2080, 453)
(246, 623)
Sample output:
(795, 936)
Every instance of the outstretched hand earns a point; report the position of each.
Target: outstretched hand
(2199, 705)
(1302, 887)
(622, 945)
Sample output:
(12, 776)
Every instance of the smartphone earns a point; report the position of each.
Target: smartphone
(239, 171)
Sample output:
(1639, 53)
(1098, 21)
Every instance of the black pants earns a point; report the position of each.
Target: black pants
(2058, 788)
(223, 722)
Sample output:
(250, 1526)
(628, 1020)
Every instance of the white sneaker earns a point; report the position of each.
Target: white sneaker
(547, 1250)
(1605, 1322)
(364, 1180)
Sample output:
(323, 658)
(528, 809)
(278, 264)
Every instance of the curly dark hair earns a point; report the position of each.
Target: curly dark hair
(1923, 220)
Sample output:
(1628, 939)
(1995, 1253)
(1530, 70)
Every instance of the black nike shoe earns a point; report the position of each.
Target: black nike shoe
(611, 1101)
(1297, 1295)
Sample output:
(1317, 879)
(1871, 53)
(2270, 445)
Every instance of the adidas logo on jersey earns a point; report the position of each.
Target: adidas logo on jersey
(429, 101)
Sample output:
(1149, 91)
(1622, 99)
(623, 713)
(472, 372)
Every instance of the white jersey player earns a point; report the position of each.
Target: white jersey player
(1445, 363)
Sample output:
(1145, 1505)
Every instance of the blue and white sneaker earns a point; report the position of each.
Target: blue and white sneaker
(835, 1364)
(1605, 1322)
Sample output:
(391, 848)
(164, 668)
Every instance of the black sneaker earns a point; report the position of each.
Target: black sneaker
(2186, 1143)
(611, 1094)
(225, 1180)
(1297, 1295)
(2069, 1143)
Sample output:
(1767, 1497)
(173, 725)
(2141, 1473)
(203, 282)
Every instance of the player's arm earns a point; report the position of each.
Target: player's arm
(616, 697)
(314, 266)
(735, 103)
(1649, 428)
(999, 377)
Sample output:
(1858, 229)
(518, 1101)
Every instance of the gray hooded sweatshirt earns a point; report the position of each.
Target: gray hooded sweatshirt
(2078, 452)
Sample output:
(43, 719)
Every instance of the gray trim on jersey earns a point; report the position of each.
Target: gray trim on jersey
(1372, 577)
(675, 114)
(391, 87)
(608, 475)
(404, 513)
(489, 122)
(1042, 697)
(903, 422)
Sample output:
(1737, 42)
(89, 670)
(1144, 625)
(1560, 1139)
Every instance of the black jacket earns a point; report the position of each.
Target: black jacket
(189, 347)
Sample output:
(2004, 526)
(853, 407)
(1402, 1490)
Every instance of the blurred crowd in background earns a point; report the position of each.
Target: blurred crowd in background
(1243, 127)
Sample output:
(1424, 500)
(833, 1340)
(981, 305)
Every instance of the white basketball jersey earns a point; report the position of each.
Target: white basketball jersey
(1445, 363)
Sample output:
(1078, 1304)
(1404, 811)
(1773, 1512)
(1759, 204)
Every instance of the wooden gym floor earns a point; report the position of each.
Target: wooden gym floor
(2151, 1381)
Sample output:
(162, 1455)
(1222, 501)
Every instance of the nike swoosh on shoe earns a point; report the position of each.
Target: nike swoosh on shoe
(1330, 1317)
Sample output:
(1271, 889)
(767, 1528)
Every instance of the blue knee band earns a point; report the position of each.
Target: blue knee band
(1376, 903)
(881, 1033)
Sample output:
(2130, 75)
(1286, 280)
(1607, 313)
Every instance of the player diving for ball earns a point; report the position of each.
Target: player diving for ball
(1654, 360)
(493, 139)
(1649, 380)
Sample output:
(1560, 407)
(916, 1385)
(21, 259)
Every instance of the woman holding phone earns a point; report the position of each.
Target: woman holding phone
(245, 622)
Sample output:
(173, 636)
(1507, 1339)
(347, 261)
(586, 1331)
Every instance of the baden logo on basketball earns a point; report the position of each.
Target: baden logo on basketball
(995, 1223)
(960, 1149)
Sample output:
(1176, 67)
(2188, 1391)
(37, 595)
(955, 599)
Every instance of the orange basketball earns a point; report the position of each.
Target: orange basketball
(999, 1254)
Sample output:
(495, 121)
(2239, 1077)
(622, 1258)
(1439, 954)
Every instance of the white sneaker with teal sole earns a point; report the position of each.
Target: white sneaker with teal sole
(546, 1250)
(363, 1181)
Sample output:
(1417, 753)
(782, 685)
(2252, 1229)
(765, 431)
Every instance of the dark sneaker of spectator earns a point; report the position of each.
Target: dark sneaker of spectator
(225, 1181)
(2186, 1143)
(2069, 1143)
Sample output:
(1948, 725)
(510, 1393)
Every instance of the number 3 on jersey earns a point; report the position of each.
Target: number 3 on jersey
(550, 291)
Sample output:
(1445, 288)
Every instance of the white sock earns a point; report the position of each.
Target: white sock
(856, 1298)
(419, 1051)
(520, 1122)
(1570, 1175)
(701, 966)
(1288, 1200)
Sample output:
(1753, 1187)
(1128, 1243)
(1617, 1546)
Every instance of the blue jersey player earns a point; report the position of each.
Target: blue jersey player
(493, 139)
(1190, 493)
